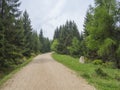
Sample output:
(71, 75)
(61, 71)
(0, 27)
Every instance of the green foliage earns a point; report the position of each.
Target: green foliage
(54, 45)
(117, 77)
(100, 72)
(10, 33)
(109, 65)
(70, 41)
(100, 38)
(97, 62)
(17, 38)
(91, 43)
(75, 47)
(118, 51)
(105, 49)
(45, 43)
(87, 60)
(65, 34)
(101, 31)
(28, 33)
(35, 44)
(85, 75)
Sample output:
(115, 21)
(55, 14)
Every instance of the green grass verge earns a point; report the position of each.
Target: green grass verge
(7, 76)
(87, 71)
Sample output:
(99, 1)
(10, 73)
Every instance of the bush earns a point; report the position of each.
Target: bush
(32, 54)
(86, 75)
(117, 77)
(97, 62)
(87, 60)
(108, 65)
(54, 45)
(100, 72)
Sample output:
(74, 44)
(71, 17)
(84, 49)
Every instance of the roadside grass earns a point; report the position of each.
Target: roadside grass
(10, 73)
(87, 71)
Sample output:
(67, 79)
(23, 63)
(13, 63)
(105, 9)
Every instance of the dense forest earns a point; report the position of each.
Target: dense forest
(18, 40)
(66, 39)
(100, 39)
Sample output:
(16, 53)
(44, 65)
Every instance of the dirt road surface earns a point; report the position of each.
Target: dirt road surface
(44, 73)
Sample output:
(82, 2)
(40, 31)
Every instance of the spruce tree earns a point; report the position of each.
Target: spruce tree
(28, 33)
(35, 45)
(41, 38)
(8, 15)
(20, 37)
(102, 32)
(45, 43)
(89, 50)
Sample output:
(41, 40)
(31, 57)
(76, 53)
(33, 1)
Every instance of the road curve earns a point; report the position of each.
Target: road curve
(44, 73)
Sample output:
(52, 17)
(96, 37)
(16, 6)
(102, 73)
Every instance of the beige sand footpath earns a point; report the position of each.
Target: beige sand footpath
(44, 73)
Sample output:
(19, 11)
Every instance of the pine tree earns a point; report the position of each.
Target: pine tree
(8, 14)
(89, 50)
(35, 45)
(45, 43)
(20, 37)
(105, 29)
(28, 33)
(102, 32)
(56, 34)
(41, 38)
(1, 43)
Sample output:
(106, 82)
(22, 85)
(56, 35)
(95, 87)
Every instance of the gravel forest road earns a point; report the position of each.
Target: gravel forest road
(44, 73)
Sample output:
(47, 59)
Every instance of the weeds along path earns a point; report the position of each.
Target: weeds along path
(44, 73)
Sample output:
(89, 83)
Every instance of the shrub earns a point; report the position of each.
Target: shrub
(108, 65)
(86, 75)
(54, 45)
(117, 77)
(87, 60)
(97, 62)
(100, 72)
(32, 54)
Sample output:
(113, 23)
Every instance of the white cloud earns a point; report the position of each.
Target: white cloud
(56, 11)
(48, 14)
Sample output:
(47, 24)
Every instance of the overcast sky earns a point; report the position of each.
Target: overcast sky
(48, 14)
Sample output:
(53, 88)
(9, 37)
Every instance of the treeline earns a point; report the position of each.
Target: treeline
(67, 39)
(17, 37)
(100, 38)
